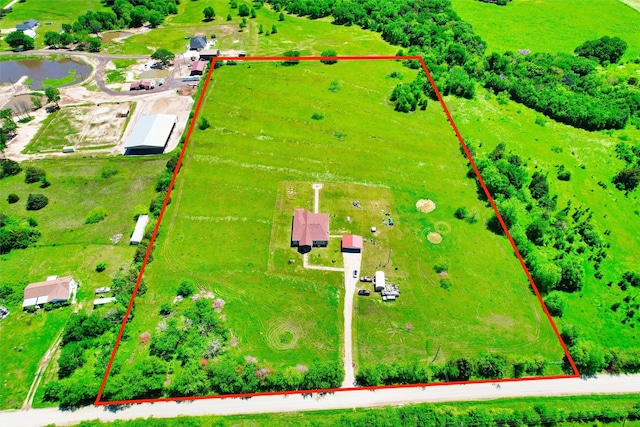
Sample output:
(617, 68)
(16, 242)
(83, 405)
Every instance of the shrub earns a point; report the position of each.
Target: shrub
(460, 213)
(329, 53)
(35, 202)
(186, 288)
(163, 181)
(44, 182)
(33, 175)
(555, 303)
(96, 215)
(291, 54)
(12, 198)
(108, 171)
(101, 266)
(565, 175)
(32, 222)
(156, 205)
(165, 309)
(9, 168)
(204, 124)
(317, 116)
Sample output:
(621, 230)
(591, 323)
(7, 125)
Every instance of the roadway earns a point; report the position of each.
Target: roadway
(603, 384)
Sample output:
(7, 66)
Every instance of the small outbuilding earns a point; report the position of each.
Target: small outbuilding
(198, 43)
(207, 54)
(138, 232)
(150, 134)
(102, 301)
(198, 68)
(352, 243)
(52, 290)
(379, 281)
(31, 24)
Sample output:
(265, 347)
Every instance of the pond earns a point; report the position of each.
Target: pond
(41, 73)
(109, 37)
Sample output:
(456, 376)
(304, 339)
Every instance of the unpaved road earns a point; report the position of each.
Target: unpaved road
(352, 263)
(603, 384)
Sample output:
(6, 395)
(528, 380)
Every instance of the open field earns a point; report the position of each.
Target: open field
(259, 148)
(545, 146)
(551, 25)
(82, 127)
(308, 36)
(65, 12)
(67, 247)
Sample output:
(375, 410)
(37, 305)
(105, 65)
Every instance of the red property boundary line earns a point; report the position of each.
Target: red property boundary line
(99, 402)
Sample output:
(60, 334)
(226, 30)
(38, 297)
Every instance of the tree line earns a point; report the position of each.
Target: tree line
(567, 88)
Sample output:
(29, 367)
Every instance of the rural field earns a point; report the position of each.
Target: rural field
(543, 25)
(591, 158)
(67, 246)
(310, 37)
(227, 227)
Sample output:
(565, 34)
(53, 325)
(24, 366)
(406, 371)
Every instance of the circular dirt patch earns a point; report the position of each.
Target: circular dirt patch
(425, 205)
(434, 238)
(442, 227)
(284, 336)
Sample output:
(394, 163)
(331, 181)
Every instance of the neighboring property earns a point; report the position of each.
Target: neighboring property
(198, 43)
(352, 243)
(138, 232)
(207, 54)
(150, 134)
(309, 229)
(379, 281)
(198, 68)
(31, 24)
(54, 289)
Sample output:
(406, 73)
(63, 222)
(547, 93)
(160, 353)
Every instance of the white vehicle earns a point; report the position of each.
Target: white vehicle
(152, 85)
(160, 82)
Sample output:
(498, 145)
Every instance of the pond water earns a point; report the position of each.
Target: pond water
(39, 70)
(108, 37)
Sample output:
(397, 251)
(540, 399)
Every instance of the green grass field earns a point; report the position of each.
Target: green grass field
(65, 12)
(551, 25)
(487, 121)
(308, 36)
(228, 224)
(67, 247)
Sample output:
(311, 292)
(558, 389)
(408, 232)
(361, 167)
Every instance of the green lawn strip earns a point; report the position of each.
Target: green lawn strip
(551, 26)
(342, 416)
(124, 63)
(487, 121)
(67, 247)
(60, 128)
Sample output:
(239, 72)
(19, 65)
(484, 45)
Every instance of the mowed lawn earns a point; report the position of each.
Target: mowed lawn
(486, 121)
(310, 37)
(219, 228)
(67, 247)
(551, 25)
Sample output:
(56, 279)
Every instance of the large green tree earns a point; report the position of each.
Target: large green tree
(19, 40)
(163, 55)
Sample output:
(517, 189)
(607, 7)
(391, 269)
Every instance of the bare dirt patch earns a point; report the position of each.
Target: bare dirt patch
(425, 205)
(434, 238)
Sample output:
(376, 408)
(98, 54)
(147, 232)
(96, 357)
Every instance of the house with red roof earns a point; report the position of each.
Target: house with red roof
(309, 229)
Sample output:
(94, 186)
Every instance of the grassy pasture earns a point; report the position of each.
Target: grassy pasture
(67, 247)
(308, 36)
(551, 25)
(487, 121)
(64, 12)
(227, 206)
